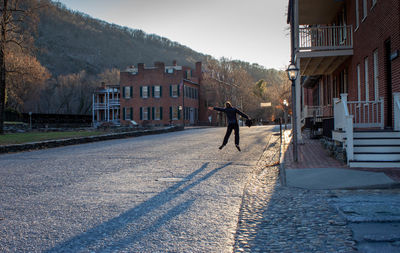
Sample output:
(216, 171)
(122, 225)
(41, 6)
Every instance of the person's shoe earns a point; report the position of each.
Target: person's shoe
(222, 146)
(238, 148)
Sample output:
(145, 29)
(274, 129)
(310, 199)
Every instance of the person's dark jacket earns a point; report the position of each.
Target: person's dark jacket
(231, 114)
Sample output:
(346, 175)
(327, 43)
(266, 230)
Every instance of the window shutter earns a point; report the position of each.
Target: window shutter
(160, 113)
(170, 113)
(178, 88)
(124, 113)
(152, 91)
(131, 112)
(141, 113)
(123, 92)
(153, 113)
(179, 113)
(170, 90)
(160, 91)
(131, 90)
(148, 113)
(141, 91)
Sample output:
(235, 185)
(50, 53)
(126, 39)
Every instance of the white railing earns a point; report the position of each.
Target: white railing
(344, 121)
(326, 37)
(396, 100)
(367, 113)
(113, 102)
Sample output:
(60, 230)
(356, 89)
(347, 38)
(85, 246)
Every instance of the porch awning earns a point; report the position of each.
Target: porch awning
(311, 81)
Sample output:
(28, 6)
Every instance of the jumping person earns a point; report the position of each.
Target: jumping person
(232, 122)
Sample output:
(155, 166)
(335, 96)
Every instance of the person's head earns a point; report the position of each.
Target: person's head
(228, 104)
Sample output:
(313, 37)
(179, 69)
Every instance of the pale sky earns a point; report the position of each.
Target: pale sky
(248, 30)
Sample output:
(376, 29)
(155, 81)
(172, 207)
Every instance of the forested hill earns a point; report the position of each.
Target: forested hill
(69, 42)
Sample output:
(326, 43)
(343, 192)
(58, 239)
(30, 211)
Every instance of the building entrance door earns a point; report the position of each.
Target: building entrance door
(388, 85)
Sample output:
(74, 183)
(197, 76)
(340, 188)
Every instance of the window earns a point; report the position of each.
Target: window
(157, 113)
(144, 91)
(373, 3)
(127, 92)
(376, 74)
(174, 113)
(157, 91)
(366, 79)
(144, 113)
(127, 113)
(174, 91)
(169, 70)
(357, 15)
(364, 9)
(358, 83)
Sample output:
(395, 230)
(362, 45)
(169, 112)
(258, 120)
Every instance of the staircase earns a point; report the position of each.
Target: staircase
(376, 149)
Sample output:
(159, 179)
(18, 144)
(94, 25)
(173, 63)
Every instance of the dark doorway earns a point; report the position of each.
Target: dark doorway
(388, 77)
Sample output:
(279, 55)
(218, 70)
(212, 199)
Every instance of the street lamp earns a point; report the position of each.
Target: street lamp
(292, 72)
(285, 104)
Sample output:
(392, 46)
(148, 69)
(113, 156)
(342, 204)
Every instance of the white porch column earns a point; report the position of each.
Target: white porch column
(396, 104)
(298, 105)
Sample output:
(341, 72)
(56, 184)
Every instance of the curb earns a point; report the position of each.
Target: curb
(81, 140)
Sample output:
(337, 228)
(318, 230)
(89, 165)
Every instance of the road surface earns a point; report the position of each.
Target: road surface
(174, 192)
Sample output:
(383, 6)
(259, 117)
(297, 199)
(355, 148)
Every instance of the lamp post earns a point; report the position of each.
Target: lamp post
(285, 104)
(292, 72)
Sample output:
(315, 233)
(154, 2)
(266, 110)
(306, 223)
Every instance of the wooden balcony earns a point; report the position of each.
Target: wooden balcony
(322, 49)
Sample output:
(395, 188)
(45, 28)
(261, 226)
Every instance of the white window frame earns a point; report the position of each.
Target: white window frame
(127, 90)
(157, 91)
(145, 91)
(366, 79)
(373, 3)
(365, 9)
(376, 75)
(357, 15)
(175, 113)
(174, 91)
(157, 113)
(145, 113)
(358, 82)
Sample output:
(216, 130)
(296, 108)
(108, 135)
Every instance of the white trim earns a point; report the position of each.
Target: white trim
(366, 79)
(357, 16)
(376, 75)
(306, 54)
(358, 82)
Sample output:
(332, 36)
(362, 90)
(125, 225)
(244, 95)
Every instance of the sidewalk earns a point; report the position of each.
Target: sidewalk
(315, 169)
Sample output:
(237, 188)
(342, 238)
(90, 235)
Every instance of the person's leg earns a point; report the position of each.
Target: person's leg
(236, 127)
(227, 135)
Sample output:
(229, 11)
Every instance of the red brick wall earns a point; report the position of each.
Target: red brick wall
(381, 23)
(156, 76)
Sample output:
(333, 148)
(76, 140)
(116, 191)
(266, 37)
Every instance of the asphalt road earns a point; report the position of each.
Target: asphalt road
(173, 192)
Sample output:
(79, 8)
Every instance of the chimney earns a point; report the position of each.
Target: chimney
(159, 64)
(174, 63)
(198, 70)
(140, 67)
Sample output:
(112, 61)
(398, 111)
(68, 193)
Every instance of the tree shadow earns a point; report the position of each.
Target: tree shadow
(142, 219)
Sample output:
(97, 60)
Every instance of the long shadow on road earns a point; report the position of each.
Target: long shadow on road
(117, 232)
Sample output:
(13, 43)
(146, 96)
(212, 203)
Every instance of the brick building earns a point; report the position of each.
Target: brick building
(160, 95)
(348, 56)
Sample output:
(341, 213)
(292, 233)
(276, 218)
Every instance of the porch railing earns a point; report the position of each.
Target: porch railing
(396, 99)
(367, 113)
(344, 122)
(326, 37)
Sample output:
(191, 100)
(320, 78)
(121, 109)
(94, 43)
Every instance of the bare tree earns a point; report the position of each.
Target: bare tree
(14, 14)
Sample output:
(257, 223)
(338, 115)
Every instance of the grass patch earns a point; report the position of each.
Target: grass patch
(19, 138)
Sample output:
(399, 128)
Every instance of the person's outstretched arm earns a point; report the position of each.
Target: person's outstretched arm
(242, 114)
(217, 109)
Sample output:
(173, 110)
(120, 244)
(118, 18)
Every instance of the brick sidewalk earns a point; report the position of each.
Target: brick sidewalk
(312, 154)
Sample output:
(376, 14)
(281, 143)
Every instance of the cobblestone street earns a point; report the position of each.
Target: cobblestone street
(281, 219)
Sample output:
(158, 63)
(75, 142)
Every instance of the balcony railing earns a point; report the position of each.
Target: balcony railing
(326, 37)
